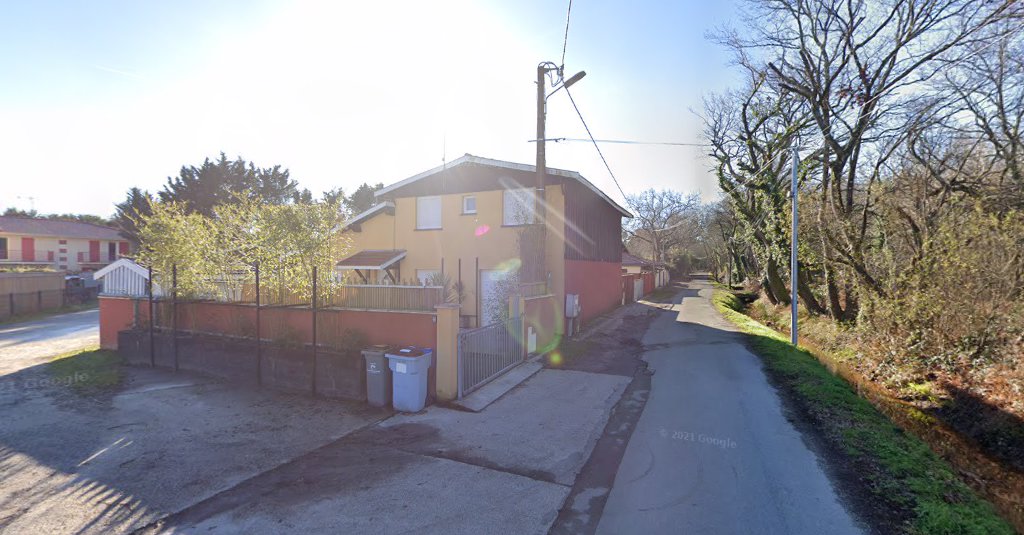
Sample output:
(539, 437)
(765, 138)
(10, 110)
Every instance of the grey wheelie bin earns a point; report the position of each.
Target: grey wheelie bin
(410, 367)
(378, 376)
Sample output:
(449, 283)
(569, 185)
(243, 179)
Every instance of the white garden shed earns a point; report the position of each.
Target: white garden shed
(126, 278)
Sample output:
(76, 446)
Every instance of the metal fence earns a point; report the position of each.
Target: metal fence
(14, 304)
(487, 352)
(241, 306)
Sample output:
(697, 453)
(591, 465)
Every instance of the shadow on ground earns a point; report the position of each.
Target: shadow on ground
(90, 446)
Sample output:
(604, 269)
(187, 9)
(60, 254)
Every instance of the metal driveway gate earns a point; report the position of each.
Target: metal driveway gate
(487, 352)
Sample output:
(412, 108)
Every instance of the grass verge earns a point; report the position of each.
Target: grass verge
(87, 371)
(897, 467)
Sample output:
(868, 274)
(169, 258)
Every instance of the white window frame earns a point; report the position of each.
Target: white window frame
(425, 225)
(423, 275)
(521, 196)
(466, 210)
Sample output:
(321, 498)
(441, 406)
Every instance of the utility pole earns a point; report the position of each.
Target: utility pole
(792, 253)
(539, 212)
(542, 71)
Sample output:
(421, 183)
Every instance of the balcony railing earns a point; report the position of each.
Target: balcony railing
(388, 297)
(16, 255)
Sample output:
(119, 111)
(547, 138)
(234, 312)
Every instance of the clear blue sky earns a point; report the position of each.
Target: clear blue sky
(97, 97)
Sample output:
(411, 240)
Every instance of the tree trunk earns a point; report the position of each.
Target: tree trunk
(767, 289)
(835, 306)
(775, 282)
(852, 305)
(803, 288)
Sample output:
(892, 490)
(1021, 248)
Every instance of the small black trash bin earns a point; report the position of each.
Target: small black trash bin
(378, 376)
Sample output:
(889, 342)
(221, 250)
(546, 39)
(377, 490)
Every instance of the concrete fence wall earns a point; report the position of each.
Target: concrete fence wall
(16, 283)
(276, 323)
(28, 293)
(542, 316)
(290, 369)
(216, 339)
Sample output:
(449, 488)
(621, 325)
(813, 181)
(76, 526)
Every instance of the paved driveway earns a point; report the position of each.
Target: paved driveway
(714, 451)
(175, 452)
(504, 470)
(113, 460)
(33, 342)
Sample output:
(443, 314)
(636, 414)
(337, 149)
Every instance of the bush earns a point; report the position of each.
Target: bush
(958, 308)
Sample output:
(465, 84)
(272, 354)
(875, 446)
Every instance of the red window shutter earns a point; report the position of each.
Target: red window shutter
(28, 249)
(122, 248)
(94, 250)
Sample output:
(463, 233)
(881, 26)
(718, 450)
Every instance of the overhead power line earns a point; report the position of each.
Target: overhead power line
(565, 40)
(626, 142)
(596, 146)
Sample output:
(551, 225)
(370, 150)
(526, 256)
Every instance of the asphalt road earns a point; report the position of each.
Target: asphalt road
(715, 450)
(29, 343)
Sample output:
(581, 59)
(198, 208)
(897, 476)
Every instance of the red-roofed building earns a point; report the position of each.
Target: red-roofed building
(72, 246)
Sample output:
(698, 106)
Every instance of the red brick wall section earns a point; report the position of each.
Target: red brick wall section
(392, 328)
(545, 315)
(116, 315)
(598, 284)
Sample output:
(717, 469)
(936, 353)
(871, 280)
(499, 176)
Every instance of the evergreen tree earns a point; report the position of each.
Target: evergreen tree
(362, 199)
(129, 214)
(213, 183)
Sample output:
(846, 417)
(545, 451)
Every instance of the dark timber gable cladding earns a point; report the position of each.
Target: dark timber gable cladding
(593, 228)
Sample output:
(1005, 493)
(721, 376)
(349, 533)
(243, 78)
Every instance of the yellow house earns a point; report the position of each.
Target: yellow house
(475, 222)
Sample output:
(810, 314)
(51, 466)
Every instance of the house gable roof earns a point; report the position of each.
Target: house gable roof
(508, 175)
(32, 226)
(372, 259)
(386, 206)
(122, 263)
(630, 260)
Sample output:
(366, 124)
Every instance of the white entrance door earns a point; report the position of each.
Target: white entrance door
(491, 302)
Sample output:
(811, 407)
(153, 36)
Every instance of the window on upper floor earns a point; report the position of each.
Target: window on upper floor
(428, 213)
(469, 204)
(426, 276)
(3, 248)
(518, 206)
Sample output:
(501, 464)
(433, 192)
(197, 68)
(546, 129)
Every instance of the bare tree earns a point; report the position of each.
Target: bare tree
(856, 66)
(751, 132)
(662, 220)
(989, 90)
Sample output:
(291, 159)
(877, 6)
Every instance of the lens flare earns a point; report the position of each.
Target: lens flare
(555, 358)
(509, 266)
(481, 230)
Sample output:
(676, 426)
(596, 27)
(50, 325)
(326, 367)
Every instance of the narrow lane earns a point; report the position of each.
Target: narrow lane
(28, 343)
(714, 450)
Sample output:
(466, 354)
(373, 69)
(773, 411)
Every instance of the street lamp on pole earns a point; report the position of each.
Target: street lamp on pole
(542, 96)
(543, 69)
(792, 250)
